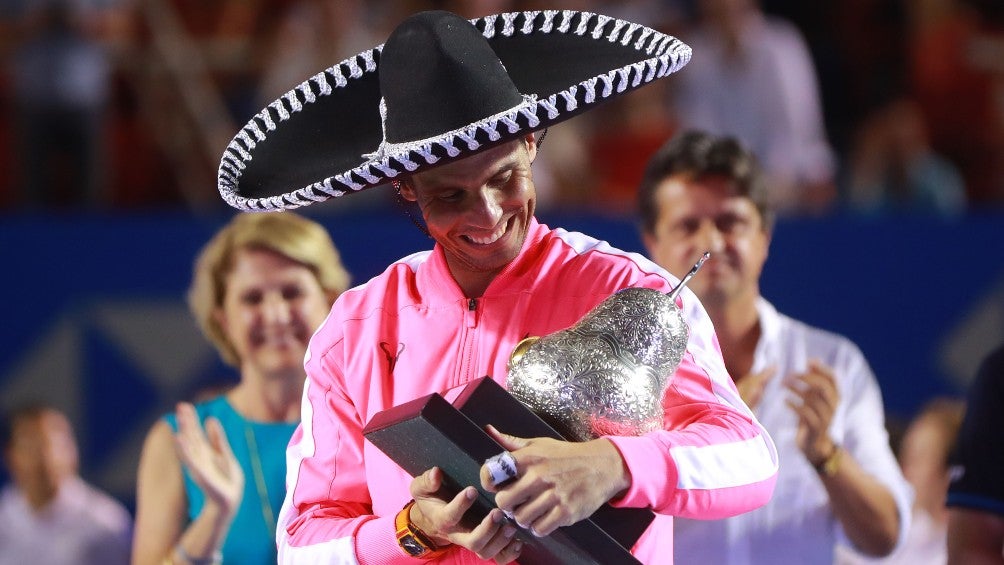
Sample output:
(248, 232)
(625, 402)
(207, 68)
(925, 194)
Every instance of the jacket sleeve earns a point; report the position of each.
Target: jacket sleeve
(327, 515)
(713, 459)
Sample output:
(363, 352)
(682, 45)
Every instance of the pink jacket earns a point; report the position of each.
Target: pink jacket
(410, 331)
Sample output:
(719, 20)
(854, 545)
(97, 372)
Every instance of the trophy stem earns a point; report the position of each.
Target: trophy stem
(697, 266)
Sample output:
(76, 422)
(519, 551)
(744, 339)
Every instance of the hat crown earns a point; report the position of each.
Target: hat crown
(441, 88)
(438, 73)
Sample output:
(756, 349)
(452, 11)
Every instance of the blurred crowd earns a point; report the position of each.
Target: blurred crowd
(872, 107)
(876, 106)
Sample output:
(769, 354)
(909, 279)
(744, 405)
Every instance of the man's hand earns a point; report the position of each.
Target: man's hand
(816, 388)
(493, 538)
(751, 386)
(558, 483)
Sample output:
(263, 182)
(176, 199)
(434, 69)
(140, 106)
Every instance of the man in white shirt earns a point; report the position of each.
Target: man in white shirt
(48, 514)
(813, 390)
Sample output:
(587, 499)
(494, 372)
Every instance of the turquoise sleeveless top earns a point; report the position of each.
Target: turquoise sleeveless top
(250, 540)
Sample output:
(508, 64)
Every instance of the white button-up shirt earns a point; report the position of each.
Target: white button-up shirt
(797, 526)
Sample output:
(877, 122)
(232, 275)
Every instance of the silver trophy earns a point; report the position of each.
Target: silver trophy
(605, 375)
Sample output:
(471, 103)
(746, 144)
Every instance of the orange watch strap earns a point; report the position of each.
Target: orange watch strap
(412, 540)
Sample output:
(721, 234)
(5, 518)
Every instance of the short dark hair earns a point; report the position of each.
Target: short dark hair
(699, 154)
(27, 411)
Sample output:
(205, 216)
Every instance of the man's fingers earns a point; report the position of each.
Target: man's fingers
(549, 522)
(436, 517)
(454, 511)
(822, 399)
(765, 375)
(511, 443)
(510, 553)
(504, 466)
(811, 422)
(797, 388)
(540, 516)
(816, 389)
(509, 499)
(491, 536)
(751, 386)
(497, 470)
(815, 365)
(820, 381)
(821, 376)
(426, 484)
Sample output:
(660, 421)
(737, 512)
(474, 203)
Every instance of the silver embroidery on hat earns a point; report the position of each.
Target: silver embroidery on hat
(386, 150)
(507, 24)
(566, 21)
(600, 22)
(528, 21)
(667, 55)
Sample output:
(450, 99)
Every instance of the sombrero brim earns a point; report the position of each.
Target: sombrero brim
(324, 138)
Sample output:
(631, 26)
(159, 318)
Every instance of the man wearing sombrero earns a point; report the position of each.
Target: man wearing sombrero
(446, 111)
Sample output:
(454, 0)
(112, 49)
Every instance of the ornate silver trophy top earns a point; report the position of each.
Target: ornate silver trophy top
(605, 375)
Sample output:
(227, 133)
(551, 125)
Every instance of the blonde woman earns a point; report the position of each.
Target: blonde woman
(212, 475)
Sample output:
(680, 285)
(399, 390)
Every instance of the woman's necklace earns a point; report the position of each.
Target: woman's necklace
(259, 478)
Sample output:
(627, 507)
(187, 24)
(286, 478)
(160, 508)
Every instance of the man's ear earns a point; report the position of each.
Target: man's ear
(531, 146)
(648, 240)
(406, 190)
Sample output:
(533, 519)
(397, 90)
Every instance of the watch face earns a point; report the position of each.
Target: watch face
(412, 546)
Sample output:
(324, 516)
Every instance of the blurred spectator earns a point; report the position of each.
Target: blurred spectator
(812, 390)
(311, 36)
(957, 62)
(752, 77)
(976, 492)
(211, 477)
(858, 48)
(48, 514)
(60, 91)
(165, 120)
(623, 135)
(923, 455)
(894, 169)
(595, 162)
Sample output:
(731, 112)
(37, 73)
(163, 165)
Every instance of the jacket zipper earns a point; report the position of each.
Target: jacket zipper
(469, 334)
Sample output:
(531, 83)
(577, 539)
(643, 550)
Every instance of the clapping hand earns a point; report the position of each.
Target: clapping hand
(209, 460)
(816, 390)
(752, 384)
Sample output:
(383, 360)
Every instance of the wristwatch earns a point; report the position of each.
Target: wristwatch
(412, 540)
(829, 466)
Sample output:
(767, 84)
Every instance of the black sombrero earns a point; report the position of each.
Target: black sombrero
(445, 89)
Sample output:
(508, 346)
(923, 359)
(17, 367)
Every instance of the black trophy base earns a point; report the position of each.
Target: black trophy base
(431, 432)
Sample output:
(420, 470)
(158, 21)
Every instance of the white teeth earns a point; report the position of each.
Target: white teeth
(490, 239)
(280, 339)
